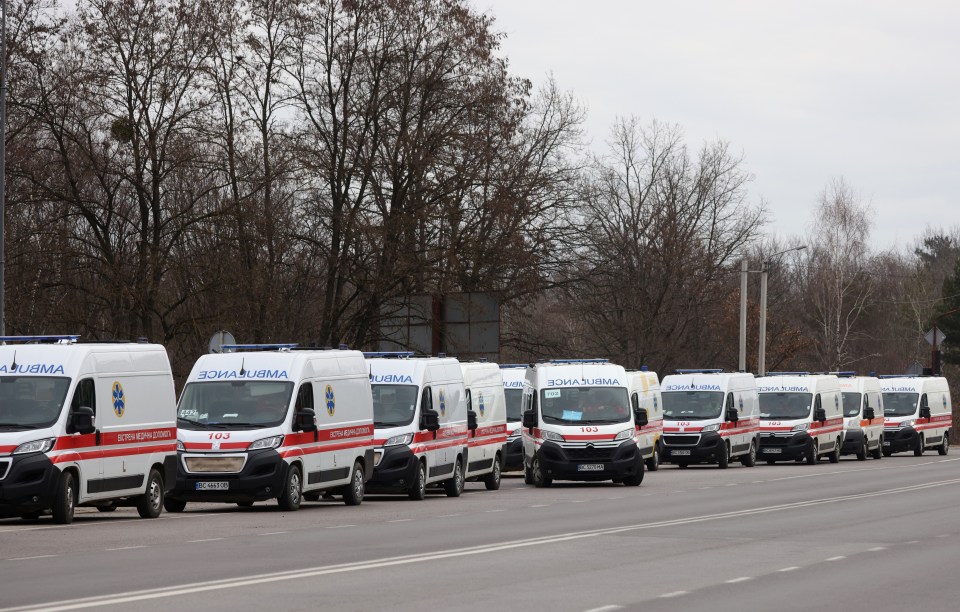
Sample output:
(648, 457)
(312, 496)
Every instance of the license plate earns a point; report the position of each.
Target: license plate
(679, 453)
(886, 442)
(774, 451)
(213, 486)
(590, 467)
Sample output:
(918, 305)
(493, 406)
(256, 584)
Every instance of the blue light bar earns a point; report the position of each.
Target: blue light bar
(902, 376)
(25, 339)
(579, 361)
(388, 354)
(504, 366)
(788, 374)
(710, 371)
(258, 347)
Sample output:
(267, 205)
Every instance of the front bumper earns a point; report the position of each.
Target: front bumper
(260, 479)
(513, 455)
(691, 448)
(617, 463)
(852, 439)
(901, 439)
(784, 448)
(29, 484)
(396, 470)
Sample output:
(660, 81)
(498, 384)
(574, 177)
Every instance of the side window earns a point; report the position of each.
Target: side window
(426, 399)
(85, 395)
(469, 401)
(304, 397)
(635, 402)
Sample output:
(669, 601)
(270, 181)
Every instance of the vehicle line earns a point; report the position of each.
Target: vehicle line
(789, 569)
(740, 579)
(672, 594)
(32, 557)
(124, 548)
(204, 540)
(837, 558)
(608, 608)
(876, 549)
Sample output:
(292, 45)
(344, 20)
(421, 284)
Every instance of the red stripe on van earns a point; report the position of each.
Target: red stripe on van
(486, 441)
(115, 452)
(7, 449)
(297, 451)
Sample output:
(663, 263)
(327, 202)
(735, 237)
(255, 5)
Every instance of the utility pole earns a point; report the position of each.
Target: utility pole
(743, 315)
(3, 160)
(762, 353)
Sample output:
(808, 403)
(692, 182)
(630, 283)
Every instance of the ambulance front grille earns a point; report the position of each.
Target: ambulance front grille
(680, 440)
(214, 465)
(4, 467)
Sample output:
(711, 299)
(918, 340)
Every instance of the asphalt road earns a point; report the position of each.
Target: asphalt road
(874, 535)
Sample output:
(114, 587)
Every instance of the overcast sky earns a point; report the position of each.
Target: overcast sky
(811, 90)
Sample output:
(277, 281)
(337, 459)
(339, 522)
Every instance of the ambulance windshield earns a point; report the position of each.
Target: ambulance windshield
(900, 404)
(851, 404)
(776, 406)
(238, 404)
(31, 402)
(394, 405)
(514, 400)
(585, 405)
(692, 405)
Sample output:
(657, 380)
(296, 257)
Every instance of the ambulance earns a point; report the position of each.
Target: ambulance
(259, 422)
(917, 414)
(513, 377)
(420, 423)
(801, 417)
(487, 422)
(862, 415)
(644, 389)
(709, 416)
(84, 425)
(578, 425)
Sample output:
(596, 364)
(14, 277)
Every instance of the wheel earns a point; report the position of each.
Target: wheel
(150, 504)
(109, 508)
(492, 480)
(245, 504)
(918, 447)
(834, 455)
(862, 451)
(527, 475)
(811, 455)
(173, 505)
(723, 461)
(30, 516)
(636, 479)
(878, 452)
(750, 459)
(418, 488)
(653, 463)
(887, 453)
(944, 447)
(540, 480)
(291, 494)
(65, 500)
(353, 494)
(453, 487)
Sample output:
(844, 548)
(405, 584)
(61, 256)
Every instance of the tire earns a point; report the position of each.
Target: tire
(653, 463)
(353, 494)
(723, 461)
(527, 475)
(834, 455)
(811, 455)
(65, 499)
(110, 508)
(245, 504)
(636, 479)
(877, 453)
(453, 486)
(150, 504)
(492, 480)
(944, 447)
(418, 488)
(887, 453)
(291, 495)
(750, 459)
(862, 451)
(918, 447)
(173, 505)
(540, 480)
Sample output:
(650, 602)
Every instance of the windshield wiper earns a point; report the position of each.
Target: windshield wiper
(385, 424)
(18, 426)
(601, 421)
(238, 424)
(191, 421)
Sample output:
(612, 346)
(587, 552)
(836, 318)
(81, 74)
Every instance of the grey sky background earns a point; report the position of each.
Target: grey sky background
(808, 91)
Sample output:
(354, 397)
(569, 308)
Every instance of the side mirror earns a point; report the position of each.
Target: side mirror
(306, 419)
(640, 416)
(820, 415)
(733, 415)
(471, 420)
(925, 412)
(429, 420)
(869, 414)
(529, 419)
(82, 420)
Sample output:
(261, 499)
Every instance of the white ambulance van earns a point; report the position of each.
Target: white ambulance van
(420, 421)
(486, 420)
(84, 425)
(578, 425)
(513, 377)
(709, 416)
(917, 414)
(644, 387)
(801, 417)
(261, 422)
(862, 415)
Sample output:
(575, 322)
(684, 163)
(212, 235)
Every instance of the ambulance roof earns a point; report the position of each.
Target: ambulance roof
(280, 365)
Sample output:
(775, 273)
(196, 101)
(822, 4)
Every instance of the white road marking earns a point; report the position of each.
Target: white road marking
(788, 569)
(579, 501)
(731, 484)
(944, 535)
(605, 608)
(106, 523)
(539, 506)
(740, 579)
(124, 548)
(273, 533)
(491, 511)
(837, 558)
(454, 514)
(673, 594)
(876, 549)
(29, 558)
(400, 521)
(703, 488)
(338, 526)
(326, 570)
(204, 540)
(912, 542)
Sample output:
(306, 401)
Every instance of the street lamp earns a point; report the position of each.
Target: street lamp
(762, 353)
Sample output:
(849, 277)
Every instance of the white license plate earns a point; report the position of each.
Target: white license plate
(679, 453)
(213, 486)
(774, 451)
(590, 467)
(886, 442)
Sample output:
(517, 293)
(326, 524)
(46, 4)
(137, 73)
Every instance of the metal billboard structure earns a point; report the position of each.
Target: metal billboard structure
(463, 324)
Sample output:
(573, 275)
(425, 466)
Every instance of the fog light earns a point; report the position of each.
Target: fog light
(35, 499)
(268, 489)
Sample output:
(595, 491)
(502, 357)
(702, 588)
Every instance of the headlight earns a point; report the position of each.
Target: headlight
(712, 427)
(516, 433)
(853, 423)
(907, 423)
(550, 435)
(406, 438)
(801, 427)
(37, 446)
(626, 434)
(271, 442)
(180, 446)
